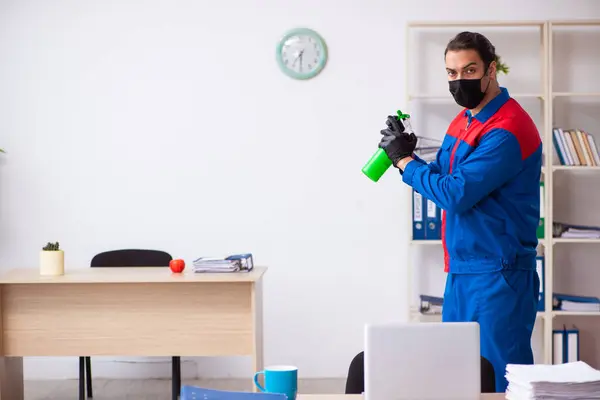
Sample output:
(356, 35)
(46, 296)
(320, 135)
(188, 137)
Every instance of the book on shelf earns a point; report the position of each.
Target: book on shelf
(575, 147)
(567, 302)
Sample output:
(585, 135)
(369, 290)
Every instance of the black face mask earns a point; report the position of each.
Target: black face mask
(467, 92)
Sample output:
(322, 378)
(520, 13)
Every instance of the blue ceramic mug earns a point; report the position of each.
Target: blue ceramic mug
(279, 379)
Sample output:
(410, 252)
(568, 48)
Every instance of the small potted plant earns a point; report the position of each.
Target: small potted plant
(52, 260)
(501, 67)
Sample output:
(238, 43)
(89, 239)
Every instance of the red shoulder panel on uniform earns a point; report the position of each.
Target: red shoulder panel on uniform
(457, 125)
(512, 118)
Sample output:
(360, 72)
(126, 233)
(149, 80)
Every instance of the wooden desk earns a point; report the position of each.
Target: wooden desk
(495, 396)
(126, 312)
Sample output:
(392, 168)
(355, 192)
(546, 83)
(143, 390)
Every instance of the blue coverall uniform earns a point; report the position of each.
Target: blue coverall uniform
(486, 180)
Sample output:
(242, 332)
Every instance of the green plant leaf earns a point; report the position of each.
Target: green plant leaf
(501, 67)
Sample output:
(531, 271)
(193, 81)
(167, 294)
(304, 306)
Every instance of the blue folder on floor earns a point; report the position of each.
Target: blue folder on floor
(196, 393)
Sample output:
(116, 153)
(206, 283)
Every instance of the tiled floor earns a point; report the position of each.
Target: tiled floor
(155, 389)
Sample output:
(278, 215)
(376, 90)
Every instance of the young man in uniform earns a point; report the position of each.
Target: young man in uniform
(486, 180)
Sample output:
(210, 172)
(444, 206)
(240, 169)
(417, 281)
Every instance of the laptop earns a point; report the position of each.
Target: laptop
(422, 361)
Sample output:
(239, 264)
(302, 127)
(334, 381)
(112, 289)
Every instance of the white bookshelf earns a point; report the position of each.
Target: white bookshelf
(542, 100)
(566, 84)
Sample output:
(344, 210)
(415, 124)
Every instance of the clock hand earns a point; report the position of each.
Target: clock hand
(300, 56)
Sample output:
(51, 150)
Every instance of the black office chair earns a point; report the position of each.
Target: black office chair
(355, 383)
(127, 258)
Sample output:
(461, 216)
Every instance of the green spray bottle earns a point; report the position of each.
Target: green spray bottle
(380, 162)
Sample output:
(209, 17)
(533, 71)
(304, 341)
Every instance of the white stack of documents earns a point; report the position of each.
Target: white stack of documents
(578, 233)
(232, 263)
(212, 264)
(573, 381)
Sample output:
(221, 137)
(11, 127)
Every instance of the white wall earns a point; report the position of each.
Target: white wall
(167, 125)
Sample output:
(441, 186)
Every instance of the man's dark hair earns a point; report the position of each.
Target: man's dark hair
(473, 41)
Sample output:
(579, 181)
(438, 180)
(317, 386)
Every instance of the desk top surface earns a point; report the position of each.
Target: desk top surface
(127, 275)
(488, 396)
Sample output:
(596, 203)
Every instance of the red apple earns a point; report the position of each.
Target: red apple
(177, 265)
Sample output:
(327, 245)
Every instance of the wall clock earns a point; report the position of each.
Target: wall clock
(301, 53)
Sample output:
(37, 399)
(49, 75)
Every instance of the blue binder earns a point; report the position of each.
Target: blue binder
(418, 216)
(197, 393)
(434, 221)
(541, 268)
(565, 345)
(559, 352)
(558, 298)
(571, 339)
(430, 304)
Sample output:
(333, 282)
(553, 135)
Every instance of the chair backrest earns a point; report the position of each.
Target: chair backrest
(488, 376)
(132, 258)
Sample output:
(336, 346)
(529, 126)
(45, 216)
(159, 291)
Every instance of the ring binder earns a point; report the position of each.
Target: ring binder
(197, 393)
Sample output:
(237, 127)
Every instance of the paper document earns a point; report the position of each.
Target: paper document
(231, 263)
(573, 381)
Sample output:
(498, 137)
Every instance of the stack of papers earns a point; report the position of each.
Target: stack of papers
(577, 233)
(573, 381)
(196, 393)
(232, 263)
(560, 229)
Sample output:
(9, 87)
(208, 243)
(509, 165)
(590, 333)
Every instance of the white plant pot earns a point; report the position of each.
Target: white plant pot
(52, 262)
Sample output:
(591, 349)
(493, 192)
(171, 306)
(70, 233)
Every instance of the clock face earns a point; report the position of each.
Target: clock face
(301, 54)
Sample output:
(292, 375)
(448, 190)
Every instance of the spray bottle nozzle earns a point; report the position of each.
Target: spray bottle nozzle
(402, 116)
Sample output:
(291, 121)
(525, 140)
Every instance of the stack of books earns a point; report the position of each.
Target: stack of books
(232, 263)
(573, 381)
(575, 147)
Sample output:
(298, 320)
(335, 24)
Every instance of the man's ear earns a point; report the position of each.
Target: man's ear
(492, 71)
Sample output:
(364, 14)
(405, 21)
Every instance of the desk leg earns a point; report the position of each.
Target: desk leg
(176, 377)
(11, 378)
(257, 309)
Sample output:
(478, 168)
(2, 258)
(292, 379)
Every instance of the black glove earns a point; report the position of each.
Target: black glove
(396, 143)
(395, 124)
